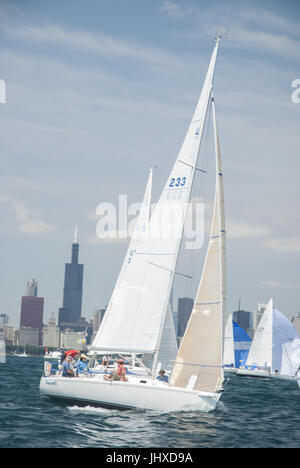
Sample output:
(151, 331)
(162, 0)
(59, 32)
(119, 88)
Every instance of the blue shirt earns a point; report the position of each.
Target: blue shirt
(66, 368)
(80, 367)
(163, 379)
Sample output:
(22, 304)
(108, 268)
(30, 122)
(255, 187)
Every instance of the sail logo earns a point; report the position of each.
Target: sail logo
(2, 92)
(295, 96)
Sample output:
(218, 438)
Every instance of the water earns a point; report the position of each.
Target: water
(251, 413)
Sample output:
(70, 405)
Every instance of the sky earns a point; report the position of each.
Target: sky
(97, 92)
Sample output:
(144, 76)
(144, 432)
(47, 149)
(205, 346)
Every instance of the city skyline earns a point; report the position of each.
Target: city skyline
(94, 99)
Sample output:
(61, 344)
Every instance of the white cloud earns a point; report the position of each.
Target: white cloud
(112, 237)
(172, 9)
(28, 221)
(95, 43)
(278, 284)
(284, 244)
(240, 229)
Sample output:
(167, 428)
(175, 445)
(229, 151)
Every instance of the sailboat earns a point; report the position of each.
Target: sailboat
(135, 321)
(2, 350)
(22, 354)
(275, 350)
(236, 346)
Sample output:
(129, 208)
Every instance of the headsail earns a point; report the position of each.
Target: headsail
(136, 318)
(199, 363)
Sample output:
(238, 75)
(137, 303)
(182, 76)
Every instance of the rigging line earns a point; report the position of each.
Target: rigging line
(171, 271)
(193, 167)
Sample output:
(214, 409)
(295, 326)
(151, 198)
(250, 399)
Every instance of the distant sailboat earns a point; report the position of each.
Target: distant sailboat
(2, 351)
(22, 354)
(136, 320)
(236, 346)
(275, 350)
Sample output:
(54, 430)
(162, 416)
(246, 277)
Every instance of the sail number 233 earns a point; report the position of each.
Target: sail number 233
(178, 182)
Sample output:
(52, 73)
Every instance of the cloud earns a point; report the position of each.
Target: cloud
(240, 229)
(27, 220)
(111, 237)
(284, 244)
(98, 43)
(278, 284)
(172, 9)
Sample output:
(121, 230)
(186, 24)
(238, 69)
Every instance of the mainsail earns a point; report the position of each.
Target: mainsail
(199, 361)
(140, 230)
(228, 357)
(134, 321)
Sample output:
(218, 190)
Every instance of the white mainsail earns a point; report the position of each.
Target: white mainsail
(260, 354)
(276, 344)
(135, 319)
(228, 358)
(199, 363)
(140, 230)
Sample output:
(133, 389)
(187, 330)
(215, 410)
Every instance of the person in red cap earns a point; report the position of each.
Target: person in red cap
(119, 373)
(72, 352)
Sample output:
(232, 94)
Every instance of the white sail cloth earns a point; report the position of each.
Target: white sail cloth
(228, 357)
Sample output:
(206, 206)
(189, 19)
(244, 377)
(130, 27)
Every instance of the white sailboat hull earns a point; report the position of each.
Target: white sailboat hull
(151, 394)
(263, 374)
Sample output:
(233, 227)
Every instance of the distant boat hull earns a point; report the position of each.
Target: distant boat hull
(137, 393)
(263, 374)
(53, 355)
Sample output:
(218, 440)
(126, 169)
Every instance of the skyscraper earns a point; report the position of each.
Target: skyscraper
(31, 288)
(70, 312)
(32, 309)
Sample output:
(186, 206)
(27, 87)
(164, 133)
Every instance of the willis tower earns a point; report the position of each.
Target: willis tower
(70, 312)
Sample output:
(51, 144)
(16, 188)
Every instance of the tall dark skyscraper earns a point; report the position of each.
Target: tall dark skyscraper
(70, 312)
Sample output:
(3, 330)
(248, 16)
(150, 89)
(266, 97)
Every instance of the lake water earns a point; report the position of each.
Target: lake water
(251, 413)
